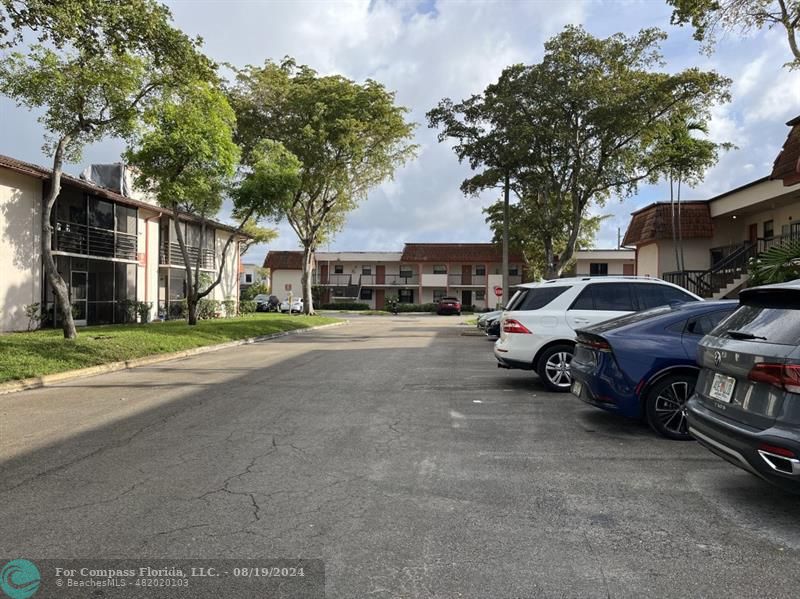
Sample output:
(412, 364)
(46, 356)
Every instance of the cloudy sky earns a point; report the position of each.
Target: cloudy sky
(429, 49)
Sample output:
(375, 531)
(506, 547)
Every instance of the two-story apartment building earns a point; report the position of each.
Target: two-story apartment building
(721, 234)
(108, 247)
(421, 273)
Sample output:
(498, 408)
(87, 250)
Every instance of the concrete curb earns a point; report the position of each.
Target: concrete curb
(48, 379)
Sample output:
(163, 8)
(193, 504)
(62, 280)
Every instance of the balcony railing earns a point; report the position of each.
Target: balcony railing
(390, 279)
(332, 279)
(170, 253)
(462, 280)
(82, 239)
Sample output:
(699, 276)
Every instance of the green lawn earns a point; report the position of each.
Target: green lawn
(24, 355)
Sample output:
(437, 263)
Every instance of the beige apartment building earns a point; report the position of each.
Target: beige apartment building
(720, 235)
(111, 245)
(421, 273)
(605, 262)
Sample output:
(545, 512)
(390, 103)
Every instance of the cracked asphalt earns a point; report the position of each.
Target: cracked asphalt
(396, 451)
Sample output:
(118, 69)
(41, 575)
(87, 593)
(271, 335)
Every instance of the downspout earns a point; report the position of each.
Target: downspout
(146, 257)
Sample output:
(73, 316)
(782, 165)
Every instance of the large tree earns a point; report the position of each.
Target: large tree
(582, 124)
(709, 17)
(95, 67)
(349, 137)
(186, 158)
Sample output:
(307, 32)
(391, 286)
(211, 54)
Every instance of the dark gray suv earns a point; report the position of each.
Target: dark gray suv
(746, 406)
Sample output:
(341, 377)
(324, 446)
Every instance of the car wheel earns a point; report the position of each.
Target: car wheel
(665, 406)
(554, 368)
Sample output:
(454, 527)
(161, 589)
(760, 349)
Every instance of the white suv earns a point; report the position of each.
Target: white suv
(537, 330)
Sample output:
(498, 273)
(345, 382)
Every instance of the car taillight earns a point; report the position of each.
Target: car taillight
(598, 344)
(515, 326)
(781, 451)
(784, 376)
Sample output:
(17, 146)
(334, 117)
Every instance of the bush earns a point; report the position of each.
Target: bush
(229, 306)
(143, 309)
(254, 290)
(207, 308)
(247, 307)
(412, 307)
(345, 306)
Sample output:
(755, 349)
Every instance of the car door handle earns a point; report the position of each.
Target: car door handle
(581, 320)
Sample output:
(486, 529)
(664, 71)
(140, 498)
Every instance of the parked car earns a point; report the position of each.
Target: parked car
(266, 303)
(493, 326)
(746, 405)
(449, 305)
(484, 319)
(537, 332)
(296, 305)
(643, 365)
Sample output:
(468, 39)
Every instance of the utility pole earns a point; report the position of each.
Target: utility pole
(506, 186)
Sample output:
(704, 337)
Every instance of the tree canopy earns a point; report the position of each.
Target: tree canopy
(579, 126)
(348, 137)
(709, 17)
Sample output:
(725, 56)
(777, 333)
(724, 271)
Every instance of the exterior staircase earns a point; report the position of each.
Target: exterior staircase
(731, 288)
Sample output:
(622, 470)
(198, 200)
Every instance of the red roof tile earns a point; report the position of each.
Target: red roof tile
(787, 164)
(654, 222)
(282, 260)
(456, 252)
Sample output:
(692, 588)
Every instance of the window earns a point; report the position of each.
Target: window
(768, 325)
(338, 269)
(614, 297)
(480, 271)
(598, 269)
(439, 269)
(405, 296)
(535, 298)
(650, 295)
(703, 325)
(406, 272)
(513, 271)
(769, 229)
(366, 294)
(438, 294)
(126, 219)
(101, 214)
(366, 270)
(248, 278)
(480, 295)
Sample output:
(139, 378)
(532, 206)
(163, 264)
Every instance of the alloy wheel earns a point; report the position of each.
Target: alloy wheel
(557, 369)
(670, 407)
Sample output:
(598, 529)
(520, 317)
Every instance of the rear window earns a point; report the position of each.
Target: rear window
(622, 321)
(536, 297)
(615, 297)
(767, 325)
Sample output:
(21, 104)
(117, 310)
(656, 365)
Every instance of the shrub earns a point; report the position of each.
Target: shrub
(254, 290)
(247, 307)
(229, 306)
(345, 306)
(143, 310)
(178, 310)
(412, 307)
(208, 308)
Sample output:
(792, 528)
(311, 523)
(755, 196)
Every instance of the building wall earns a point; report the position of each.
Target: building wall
(20, 248)
(615, 267)
(280, 278)
(228, 288)
(730, 231)
(647, 260)
(147, 272)
(695, 255)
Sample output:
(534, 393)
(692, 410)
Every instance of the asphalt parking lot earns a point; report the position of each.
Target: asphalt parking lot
(396, 451)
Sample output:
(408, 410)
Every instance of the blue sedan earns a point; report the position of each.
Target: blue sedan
(643, 365)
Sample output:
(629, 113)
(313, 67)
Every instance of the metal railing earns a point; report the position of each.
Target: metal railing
(83, 239)
(706, 283)
(170, 253)
(463, 280)
(390, 279)
(332, 279)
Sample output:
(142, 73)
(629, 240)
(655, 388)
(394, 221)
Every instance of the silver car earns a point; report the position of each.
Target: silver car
(746, 405)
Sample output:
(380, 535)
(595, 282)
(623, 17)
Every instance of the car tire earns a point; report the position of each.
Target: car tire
(551, 368)
(665, 406)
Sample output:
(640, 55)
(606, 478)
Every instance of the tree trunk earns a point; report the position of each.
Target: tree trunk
(506, 190)
(59, 287)
(192, 306)
(308, 264)
(551, 271)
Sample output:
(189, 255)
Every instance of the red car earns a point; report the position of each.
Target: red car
(449, 305)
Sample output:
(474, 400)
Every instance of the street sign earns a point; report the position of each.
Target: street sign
(498, 291)
(287, 287)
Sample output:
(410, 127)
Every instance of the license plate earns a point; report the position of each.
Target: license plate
(577, 387)
(722, 387)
